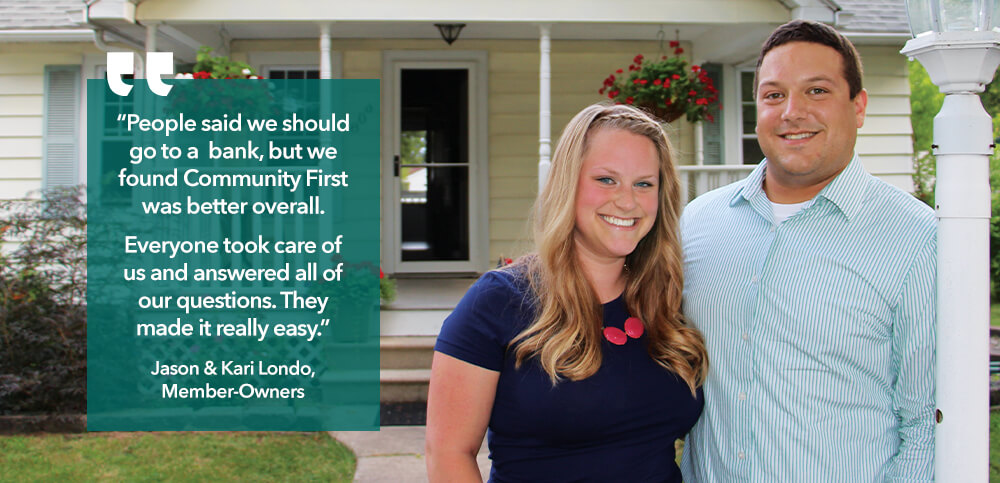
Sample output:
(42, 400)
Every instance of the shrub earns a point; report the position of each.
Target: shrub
(995, 229)
(43, 332)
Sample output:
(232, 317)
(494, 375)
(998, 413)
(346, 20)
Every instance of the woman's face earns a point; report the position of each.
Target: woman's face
(617, 195)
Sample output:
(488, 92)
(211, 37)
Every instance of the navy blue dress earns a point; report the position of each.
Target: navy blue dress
(617, 425)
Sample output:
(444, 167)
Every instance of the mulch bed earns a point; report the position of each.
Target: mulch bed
(403, 414)
(43, 423)
(392, 414)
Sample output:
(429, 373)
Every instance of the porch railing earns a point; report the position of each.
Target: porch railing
(698, 180)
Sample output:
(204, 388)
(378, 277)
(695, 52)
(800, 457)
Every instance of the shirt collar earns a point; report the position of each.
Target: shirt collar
(846, 191)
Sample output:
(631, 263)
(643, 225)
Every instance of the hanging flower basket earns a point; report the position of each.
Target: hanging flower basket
(215, 99)
(668, 88)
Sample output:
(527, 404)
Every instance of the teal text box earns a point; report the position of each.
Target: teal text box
(232, 263)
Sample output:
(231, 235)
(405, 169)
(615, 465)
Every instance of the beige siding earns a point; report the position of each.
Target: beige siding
(22, 80)
(885, 142)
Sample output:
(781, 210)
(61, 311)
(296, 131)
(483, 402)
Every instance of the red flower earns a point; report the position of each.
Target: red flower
(666, 83)
(619, 71)
(678, 51)
(710, 117)
(637, 59)
(635, 81)
(381, 274)
(692, 93)
(676, 77)
(657, 82)
(613, 93)
(629, 99)
(507, 261)
(695, 68)
(644, 82)
(674, 43)
(600, 91)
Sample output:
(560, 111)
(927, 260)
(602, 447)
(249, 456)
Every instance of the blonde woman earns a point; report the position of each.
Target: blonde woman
(576, 358)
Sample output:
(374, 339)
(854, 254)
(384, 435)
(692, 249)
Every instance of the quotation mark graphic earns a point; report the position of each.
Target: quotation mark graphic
(157, 64)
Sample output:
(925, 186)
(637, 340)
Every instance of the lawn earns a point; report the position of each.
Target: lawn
(994, 446)
(219, 456)
(995, 314)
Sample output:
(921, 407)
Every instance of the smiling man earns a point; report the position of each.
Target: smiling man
(813, 283)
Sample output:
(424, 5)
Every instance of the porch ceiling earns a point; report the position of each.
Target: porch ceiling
(710, 42)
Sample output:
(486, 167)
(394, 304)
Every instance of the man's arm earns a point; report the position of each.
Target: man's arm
(913, 346)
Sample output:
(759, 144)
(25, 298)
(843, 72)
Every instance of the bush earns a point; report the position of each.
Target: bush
(995, 229)
(43, 332)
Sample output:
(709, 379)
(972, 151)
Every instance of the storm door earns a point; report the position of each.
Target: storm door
(433, 167)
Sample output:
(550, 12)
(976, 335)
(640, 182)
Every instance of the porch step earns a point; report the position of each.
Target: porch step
(404, 385)
(405, 368)
(406, 352)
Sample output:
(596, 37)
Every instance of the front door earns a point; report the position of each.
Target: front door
(434, 166)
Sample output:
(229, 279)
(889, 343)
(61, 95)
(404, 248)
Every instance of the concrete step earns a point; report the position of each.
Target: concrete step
(402, 352)
(404, 385)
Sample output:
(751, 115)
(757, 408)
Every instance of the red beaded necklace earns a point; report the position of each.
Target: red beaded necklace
(633, 329)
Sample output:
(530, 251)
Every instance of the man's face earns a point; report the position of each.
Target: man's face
(807, 122)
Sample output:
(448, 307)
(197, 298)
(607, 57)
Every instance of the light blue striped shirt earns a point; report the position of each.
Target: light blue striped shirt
(820, 334)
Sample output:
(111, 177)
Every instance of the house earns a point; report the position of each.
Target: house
(487, 107)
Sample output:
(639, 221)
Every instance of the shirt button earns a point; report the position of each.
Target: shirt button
(741, 455)
(742, 396)
(745, 336)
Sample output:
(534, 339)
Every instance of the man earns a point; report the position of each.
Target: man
(814, 285)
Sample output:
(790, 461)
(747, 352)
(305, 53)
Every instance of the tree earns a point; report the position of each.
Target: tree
(925, 102)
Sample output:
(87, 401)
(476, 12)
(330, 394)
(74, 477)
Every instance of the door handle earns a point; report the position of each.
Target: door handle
(395, 165)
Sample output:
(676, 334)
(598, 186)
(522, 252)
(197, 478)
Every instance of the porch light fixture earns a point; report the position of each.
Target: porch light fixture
(450, 31)
(957, 41)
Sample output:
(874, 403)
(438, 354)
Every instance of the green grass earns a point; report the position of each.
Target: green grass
(995, 314)
(994, 446)
(176, 457)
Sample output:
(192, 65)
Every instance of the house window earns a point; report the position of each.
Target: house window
(749, 148)
(114, 142)
(301, 100)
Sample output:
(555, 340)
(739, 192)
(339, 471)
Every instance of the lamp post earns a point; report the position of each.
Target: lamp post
(958, 45)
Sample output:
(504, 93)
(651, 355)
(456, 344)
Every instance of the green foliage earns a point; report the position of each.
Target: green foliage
(187, 456)
(43, 318)
(995, 227)
(386, 288)
(220, 66)
(994, 446)
(925, 102)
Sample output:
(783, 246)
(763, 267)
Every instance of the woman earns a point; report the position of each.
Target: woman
(577, 358)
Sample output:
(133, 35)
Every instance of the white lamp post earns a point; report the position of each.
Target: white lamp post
(958, 44)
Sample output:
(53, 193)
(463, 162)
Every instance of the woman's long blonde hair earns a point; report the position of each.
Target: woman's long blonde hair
(566, 335)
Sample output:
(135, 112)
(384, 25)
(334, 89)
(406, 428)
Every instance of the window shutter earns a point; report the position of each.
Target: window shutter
(712, 132)
(61, 134)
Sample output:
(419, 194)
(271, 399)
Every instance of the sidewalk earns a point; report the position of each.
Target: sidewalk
(394, 454)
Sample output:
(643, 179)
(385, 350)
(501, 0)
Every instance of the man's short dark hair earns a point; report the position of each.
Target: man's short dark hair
(817, 33)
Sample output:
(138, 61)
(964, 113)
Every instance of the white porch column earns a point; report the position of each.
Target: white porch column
(325, 62)
(544, 106)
